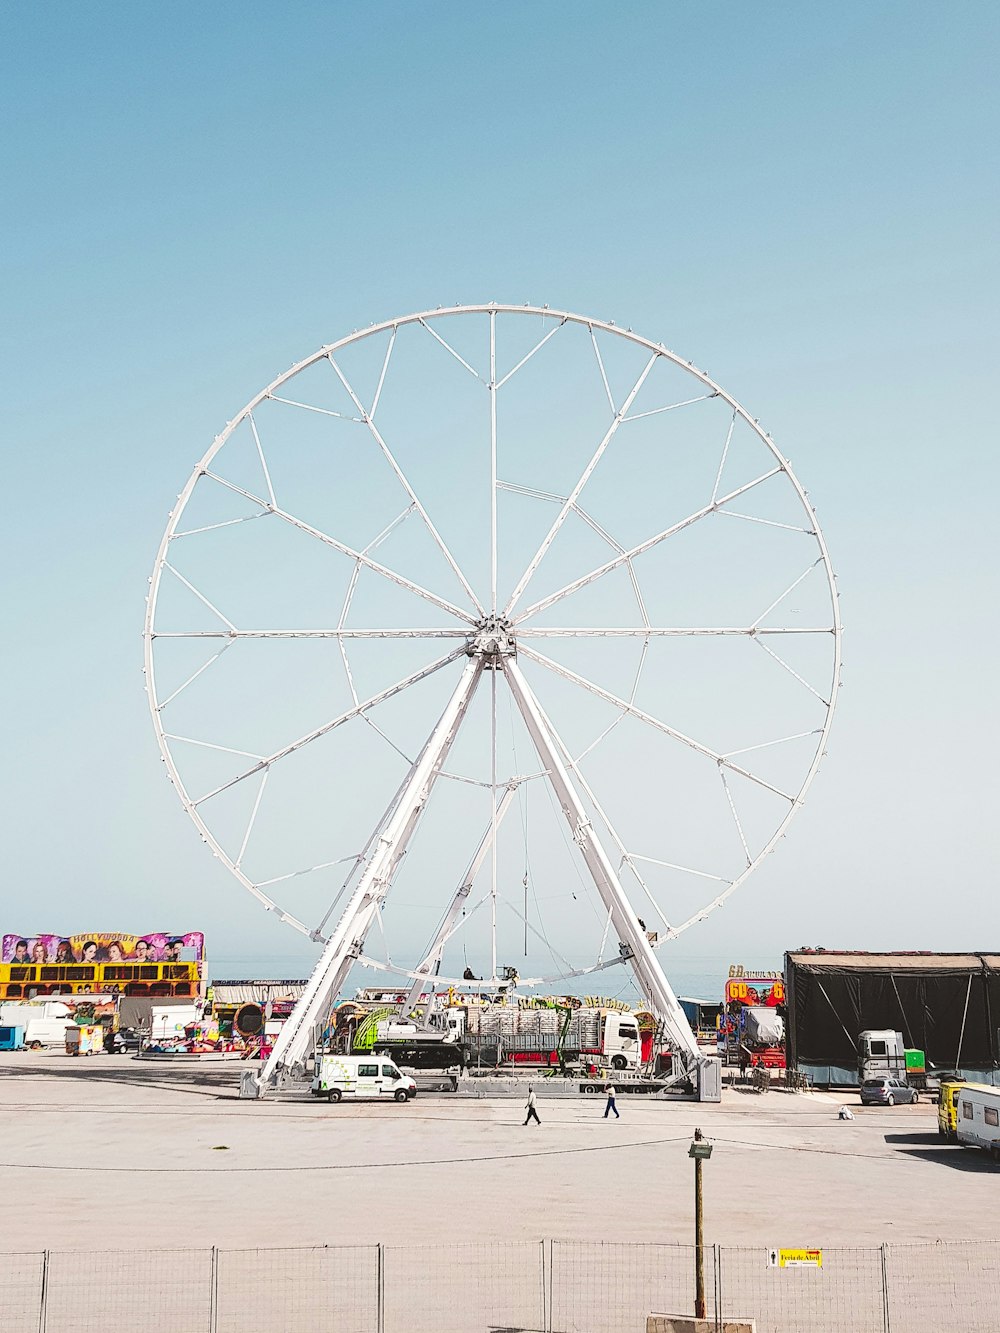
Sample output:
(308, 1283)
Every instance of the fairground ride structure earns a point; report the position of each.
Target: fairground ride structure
(463, 475)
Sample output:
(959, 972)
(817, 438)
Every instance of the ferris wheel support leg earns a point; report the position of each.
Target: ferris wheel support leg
(296, 1038)
(641, 958)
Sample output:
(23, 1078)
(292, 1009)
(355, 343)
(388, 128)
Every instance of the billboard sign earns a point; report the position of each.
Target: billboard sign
(756, 990)
(104, 947)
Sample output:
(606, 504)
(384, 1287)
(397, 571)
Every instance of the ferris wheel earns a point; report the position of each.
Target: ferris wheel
(490, 640)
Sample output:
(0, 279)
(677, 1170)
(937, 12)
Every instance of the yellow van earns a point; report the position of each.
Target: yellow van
(948, 1108)
(948, 1104)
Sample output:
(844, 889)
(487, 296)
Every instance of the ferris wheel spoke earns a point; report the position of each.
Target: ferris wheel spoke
(310, 407)
(400, 579)
(201, 596)
(253, 818)
(767, 522)
(211, 745)
(307, 870)
(537, 347)
(736, 818)
(788, 591)
(782, 740)
(644, 546)
(388, 739)
(193, 677)
(792, 672)
(687, 870)
(725, 455)
(356, 571)
(670, 407)
(493, 462)
(383, 570)
(604, 376)
(213, 527)
(263, 461)
(621, 716)
(448, 348)
(659, 632)
(311, 736)
(232, 634)
(651, 721)
(574, 495)
(382, 374)
(404, 482)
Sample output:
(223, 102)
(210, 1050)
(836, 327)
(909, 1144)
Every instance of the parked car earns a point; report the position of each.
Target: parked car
(125, 1041)
(887, 1092)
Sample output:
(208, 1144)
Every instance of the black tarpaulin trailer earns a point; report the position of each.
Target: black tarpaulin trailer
(945, 1004)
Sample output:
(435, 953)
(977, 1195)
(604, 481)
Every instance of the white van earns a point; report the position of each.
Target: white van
(44, 1022)
(977, 1121)
(373, 1076)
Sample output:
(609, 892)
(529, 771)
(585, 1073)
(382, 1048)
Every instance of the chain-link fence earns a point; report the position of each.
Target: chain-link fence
(546, 1286)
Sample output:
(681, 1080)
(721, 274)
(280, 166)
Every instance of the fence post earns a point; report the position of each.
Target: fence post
(380, 1290)
(552, 1264)
(43, 1303)
(717, 1285)
(213, 1297)
(886, 1320)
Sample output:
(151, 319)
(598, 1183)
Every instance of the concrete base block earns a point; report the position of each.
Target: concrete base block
(685, 1323)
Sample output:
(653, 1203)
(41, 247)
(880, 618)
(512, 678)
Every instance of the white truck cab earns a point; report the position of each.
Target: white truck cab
(373, 1077)
(620, 1040)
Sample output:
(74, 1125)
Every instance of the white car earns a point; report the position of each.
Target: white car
(372, 1077)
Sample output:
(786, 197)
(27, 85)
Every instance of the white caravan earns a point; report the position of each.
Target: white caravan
(978, 1118)
(360, 1076)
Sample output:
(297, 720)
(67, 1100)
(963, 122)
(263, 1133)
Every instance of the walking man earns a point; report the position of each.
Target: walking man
(532, 1112)
(611, 1103)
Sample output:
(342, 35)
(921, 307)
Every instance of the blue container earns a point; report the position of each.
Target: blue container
(11, 1039)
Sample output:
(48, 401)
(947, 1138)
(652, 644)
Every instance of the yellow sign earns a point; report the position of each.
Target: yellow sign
(795, 1258)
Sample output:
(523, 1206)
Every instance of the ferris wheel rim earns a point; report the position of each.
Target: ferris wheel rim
(492, 309)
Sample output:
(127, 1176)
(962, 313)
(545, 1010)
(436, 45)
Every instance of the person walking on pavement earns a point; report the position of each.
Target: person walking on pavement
(611, 1103)
(532, 1111)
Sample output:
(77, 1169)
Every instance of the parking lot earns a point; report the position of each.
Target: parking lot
(166, 1154)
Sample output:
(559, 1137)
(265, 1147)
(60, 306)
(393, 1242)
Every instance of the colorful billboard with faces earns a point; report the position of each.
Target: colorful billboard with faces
(756, 990)
(104, 947)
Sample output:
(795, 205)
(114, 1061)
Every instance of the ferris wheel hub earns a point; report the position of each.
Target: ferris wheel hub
(492, 640)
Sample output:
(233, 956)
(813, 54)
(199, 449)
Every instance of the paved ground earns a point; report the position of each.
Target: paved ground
(136, 1150)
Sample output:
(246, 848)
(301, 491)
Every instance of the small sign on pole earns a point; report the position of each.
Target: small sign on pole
(795, 1258)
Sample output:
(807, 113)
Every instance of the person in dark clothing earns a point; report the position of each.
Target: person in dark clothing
(532, 1107)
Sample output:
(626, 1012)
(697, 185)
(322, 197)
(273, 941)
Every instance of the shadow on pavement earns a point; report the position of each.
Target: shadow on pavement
(218, 1081)
(931, 1148)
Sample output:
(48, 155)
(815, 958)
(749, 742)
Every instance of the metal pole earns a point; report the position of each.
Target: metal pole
(43, 1305)
(213, 1309)
(380, 1289)
(699, 1240)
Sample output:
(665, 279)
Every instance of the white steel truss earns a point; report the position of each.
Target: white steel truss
(299, 1034)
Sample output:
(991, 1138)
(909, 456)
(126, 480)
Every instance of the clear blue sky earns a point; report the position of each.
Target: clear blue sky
(801, 200)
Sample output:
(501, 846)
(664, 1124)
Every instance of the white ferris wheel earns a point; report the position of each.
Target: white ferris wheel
(491, 638)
